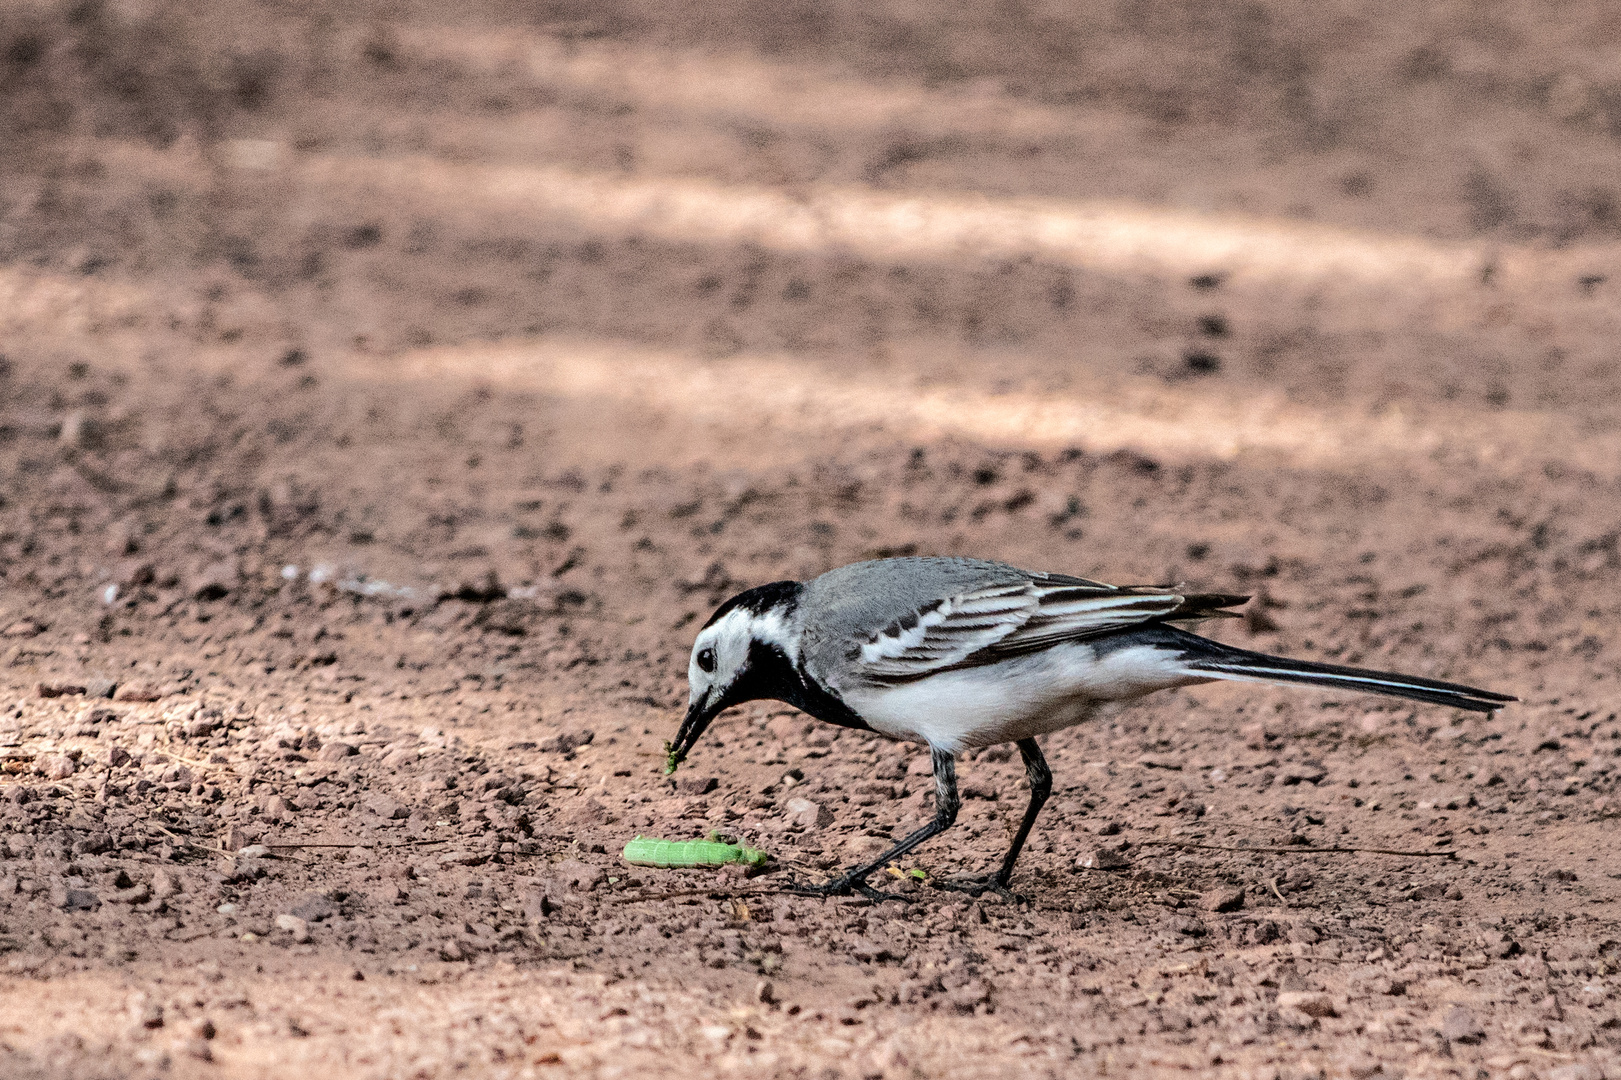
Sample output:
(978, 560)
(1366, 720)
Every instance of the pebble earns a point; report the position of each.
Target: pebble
(1313, 1003)
(214, 581)
(1102, 859)
(313, 907)
(139, 691)
(96, 714)
(165, 883)
(55, 766)
(80, 900)
(697, 785)
(808, 815)
(295, 926)
(204, 724)
(1228, 898)
(387, 807)
(574, 874)
(335, 751)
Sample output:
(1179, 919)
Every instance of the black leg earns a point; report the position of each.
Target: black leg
(1041, 786)
(946, 805)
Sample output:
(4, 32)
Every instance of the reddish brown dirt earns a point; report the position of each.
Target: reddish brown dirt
(521, 335)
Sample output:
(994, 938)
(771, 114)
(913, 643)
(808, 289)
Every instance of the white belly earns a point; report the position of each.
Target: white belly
(1018, 698)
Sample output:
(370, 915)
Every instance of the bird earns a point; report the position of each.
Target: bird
(959, 653)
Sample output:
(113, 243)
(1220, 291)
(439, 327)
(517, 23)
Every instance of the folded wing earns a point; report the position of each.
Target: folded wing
(982, 626)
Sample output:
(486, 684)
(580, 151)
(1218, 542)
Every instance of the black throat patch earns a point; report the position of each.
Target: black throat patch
(769, 674)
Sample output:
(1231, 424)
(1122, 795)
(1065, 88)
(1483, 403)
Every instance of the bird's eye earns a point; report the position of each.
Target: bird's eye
(706, 659)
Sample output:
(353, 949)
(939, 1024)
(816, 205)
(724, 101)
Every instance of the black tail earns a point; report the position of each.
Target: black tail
(1225, 662)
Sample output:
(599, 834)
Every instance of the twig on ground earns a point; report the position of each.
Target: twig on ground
(1273, 884)
(1300, 850)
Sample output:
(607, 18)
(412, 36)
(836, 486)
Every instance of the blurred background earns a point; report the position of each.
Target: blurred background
(1298, 233)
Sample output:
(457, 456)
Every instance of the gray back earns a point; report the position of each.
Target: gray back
(849, 605)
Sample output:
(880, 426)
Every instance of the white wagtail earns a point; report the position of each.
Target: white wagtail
(959, 653)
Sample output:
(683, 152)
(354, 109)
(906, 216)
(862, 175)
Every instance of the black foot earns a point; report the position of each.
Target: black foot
(841, 886)
(979, 887)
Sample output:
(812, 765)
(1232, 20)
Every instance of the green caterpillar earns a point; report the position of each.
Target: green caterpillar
(671, 759)
(646, 851)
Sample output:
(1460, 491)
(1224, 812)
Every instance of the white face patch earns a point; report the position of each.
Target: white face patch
(723, 649)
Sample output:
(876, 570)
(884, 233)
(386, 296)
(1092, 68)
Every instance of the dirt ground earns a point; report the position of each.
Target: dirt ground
(389, 391)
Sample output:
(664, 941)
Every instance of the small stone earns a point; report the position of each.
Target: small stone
(1460, 1026)
(313, 907)
(55, 766)
(765, 993)
(80, 900)
(275, 808)
(1313, 1003)
(567, 742)
(100, 688)
(201, 726)
(537, 906)
(58, 689)
(236, 838)
(587, 813)
(96, 714)
(808, 815)
(1254, 735)
(387, 808)
(139, 691)
(295, 926)
(214, 581)
(335, 751)
(574, 874)
(165, 884)
(22, 628)
(697, 785)
(117, 756)
(1102, 859)
(152, 1016)
(1226, 898)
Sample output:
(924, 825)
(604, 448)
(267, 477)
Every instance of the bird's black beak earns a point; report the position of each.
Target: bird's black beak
(698, 718)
